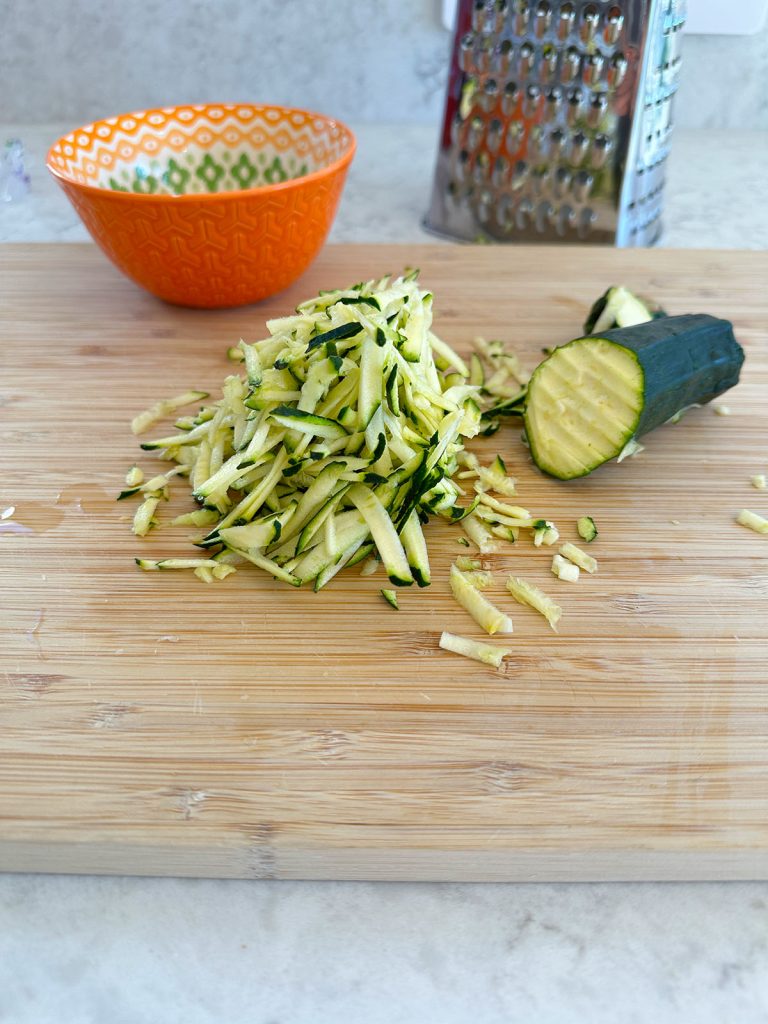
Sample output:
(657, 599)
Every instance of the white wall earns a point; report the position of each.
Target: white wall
(361, 60)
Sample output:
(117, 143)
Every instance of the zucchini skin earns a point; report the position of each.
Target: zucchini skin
(686, 360)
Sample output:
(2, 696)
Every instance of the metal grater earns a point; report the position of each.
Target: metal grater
(557, 122)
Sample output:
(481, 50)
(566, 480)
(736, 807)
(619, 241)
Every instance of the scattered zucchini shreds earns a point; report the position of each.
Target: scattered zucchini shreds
(487, 654)
(479, 535)
(578, 557)
(491, 480)
(204, 573)
(463, 541)
(480, 608)
(512, 511)
(144, 520)
(759, 482)
(200, 517)
(721, 410)
(466, 564)
(369, 567)
(527, 593)
(752, 520)
(164, 408)
(150, 564)
(586, 528)
(565, 570)
(134, 476)
(391, 598)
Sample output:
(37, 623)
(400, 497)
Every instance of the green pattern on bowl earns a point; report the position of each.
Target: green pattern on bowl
(225, 171)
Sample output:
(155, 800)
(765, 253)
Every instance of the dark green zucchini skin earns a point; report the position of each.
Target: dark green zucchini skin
(686, 360)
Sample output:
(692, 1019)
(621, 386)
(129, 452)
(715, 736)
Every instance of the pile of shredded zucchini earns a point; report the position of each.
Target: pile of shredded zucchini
(339, 441)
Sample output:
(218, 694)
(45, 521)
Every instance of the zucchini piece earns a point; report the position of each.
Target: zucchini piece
(487, 654)
(619, 307)
(144, 518)
(468, 564)
(200, 517)
(589, 398)
(586, 528)
(416, 550)
(384, 534)
(752, 520)
(479, 535)
(134, 477)
(527, 593)
(759, 482)
(150, 564)
(164, 408)
(308, 422)
(579, 557)
(390, 596)
(565, 570)
(480, 608)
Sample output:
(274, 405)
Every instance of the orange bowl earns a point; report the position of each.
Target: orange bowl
(208, 205)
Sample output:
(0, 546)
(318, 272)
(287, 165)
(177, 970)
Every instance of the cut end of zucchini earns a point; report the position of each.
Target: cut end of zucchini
(584, 404)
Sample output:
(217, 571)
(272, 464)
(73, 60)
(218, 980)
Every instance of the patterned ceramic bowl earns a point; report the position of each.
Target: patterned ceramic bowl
(207, 205)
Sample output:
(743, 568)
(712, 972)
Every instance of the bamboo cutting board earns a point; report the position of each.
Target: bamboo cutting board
(152, 725)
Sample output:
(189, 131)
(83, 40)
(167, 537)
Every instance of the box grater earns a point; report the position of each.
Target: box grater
(558, 120)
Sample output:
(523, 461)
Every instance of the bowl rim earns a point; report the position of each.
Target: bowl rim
(338, 164)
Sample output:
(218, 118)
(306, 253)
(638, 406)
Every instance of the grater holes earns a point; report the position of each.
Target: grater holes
(571, 65)
(614, 22)
(590, 21)
(542, 18)
(502, 57)
(522, 16)
(593, 68)
(565, 20)
(509, 99)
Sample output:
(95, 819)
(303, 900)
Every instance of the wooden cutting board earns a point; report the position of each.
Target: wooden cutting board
(152, 725)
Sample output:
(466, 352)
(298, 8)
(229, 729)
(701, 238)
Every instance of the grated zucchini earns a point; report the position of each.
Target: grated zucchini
(586, 528)
(480, 608)
(341, 438)
(565, 570)
(579, 557)
(527, 593)
(487, 654)
(752, 520)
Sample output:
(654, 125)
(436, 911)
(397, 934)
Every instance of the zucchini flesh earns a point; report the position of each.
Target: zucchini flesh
(487, 654)
(593, 396)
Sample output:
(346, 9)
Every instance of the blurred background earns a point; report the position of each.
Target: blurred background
(359, 60)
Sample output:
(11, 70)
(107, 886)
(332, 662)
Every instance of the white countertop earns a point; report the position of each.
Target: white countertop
(717, 189)
(160, 951)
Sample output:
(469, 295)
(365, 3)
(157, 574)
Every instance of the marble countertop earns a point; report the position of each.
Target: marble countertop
(160, 951)
(717, 189)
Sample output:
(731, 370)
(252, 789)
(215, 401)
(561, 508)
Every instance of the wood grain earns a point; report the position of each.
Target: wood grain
(152, 725)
